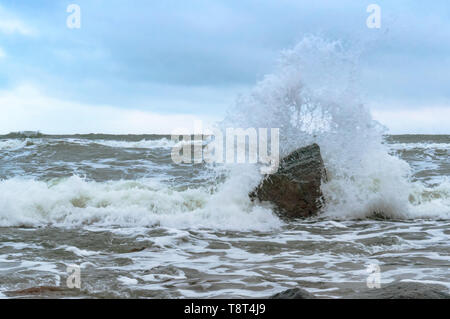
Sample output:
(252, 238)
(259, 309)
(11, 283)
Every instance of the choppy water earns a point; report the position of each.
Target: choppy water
(139, 225)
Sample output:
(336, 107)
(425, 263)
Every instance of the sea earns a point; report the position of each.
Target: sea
(136, 225)
(113, 216)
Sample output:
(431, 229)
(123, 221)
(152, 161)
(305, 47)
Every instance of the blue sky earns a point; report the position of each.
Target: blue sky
(151, 66)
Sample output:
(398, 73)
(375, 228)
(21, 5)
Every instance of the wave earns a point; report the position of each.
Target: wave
(17, 144)
(12, 145)
(75, 202)
(419, 146)
(150, 144)
(314, 97)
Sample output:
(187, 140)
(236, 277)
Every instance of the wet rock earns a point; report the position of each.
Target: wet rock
(295, 293)
(405, 290)
(137, 249)
(35, 291)
(295, 188)
(399, 290)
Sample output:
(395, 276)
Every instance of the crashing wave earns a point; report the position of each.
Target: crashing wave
(313, 97)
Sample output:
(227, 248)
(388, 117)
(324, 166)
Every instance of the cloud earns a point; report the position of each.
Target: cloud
(26, 108)
(193, 58)
(2, 53)
(14, 26)
(432, 119)
(9, 24)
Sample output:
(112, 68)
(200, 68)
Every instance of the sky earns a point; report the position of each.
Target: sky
(153, 66)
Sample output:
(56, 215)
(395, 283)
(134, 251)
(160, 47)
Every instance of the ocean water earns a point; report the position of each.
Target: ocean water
(139, 225)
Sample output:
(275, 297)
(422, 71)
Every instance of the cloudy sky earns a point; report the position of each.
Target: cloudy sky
(151, 66)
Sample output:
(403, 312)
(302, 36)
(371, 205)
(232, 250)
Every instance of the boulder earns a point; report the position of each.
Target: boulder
(295, 293)
(398, 290)
(295, 188)
(41, 290)
(404, 290)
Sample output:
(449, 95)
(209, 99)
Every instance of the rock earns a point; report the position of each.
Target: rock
(295, 188)
(398, 290)
(35, 291)
(137, 250)
(295, 293)
(404, 290)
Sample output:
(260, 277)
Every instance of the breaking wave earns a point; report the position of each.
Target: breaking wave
(314, 97)
(12, 144)
(150, 144)
(74, 202)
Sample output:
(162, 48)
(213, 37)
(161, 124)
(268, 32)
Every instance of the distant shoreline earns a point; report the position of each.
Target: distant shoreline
(37, 134)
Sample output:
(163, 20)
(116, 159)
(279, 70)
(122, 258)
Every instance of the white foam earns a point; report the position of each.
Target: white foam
(127, 280)
(77, 251)
(76, 202)
(420, 146)
(12, 145)
(151, 144)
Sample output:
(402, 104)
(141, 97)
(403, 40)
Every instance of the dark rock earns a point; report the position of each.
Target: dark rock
(404, 290)
(399, 290)
(137, 249)
(35, 291)
(295, 293)
(295, 188)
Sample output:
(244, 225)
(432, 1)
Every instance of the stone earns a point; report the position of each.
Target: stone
(35, 291)
(294, 189)
(295, 293)
(398, 290)
(404, 290)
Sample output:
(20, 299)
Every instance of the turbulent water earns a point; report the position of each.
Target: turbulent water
(139, 225)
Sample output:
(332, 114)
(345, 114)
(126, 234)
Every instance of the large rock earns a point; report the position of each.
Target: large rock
(398, 290)
(295, 293)
(41, 290)
(295, 188)
(405, 290)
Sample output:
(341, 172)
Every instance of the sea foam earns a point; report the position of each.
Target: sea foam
(74, 202)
